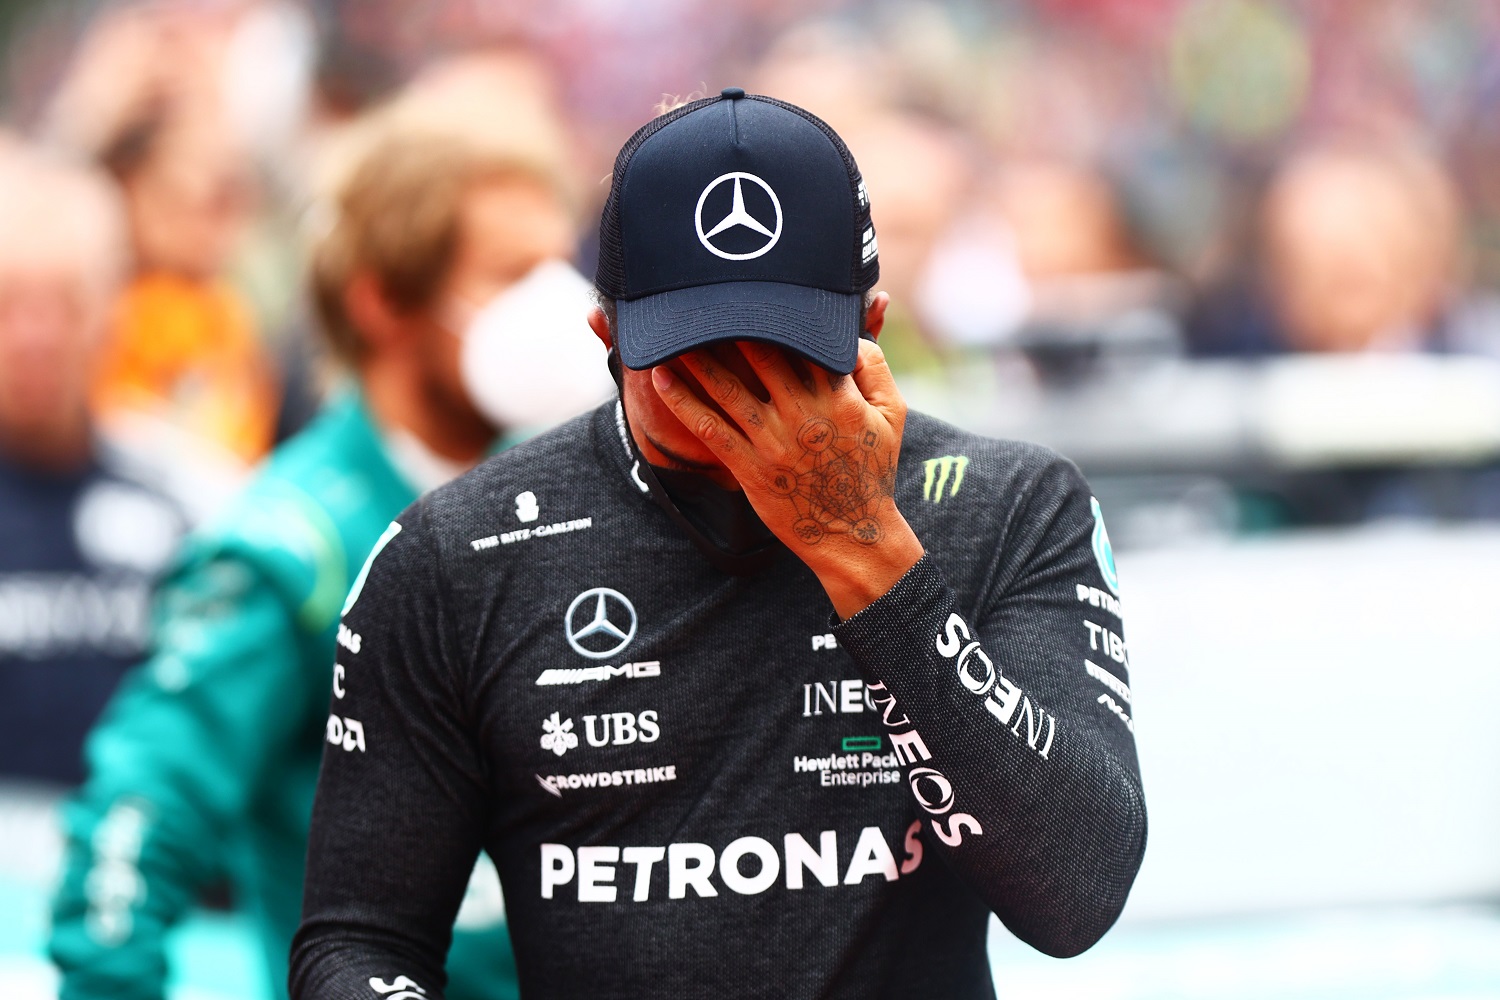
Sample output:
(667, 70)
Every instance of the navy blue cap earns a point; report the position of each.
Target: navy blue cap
(737, 218)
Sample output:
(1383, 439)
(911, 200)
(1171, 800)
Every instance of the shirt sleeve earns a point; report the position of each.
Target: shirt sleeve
(1012, 719)
(171, 766)
(402, 805)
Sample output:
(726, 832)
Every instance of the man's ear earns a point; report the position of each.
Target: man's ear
(599, 323)
(875, 315)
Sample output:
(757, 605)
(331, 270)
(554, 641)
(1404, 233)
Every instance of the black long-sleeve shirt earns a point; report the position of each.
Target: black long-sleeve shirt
(692, 784)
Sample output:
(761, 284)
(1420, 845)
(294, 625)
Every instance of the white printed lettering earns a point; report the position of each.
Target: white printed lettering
(643, 858)
(909, 747)
(689, 865)
(749, 885)
(948, 643)
(824, 863)
(872, 856)
(557, 867)
(957, 823)
(913, 857)
(596, 867)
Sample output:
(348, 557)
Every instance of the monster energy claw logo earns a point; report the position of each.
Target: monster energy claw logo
(936, 476)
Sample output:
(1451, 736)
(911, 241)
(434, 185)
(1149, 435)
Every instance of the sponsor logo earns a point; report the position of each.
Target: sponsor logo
(1114, 707)
(558, 735)
(622, 728)
(853, 744)
(739, 218)
(1108, 679)
(603, 672)
(526, 534)
(409, 990)
(933, 791)
(1107, 642)
(556, 784)
(837, 697)
(1104, 553)
(851, 768)
(746, 865)
(935, 476)
(1099, 599)
(824, 641)
(1002, 698)
(348, 638)
(345, 732)
(599, 623)
(526, 507)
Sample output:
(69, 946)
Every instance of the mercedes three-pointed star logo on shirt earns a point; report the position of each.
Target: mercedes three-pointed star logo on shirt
(600, 622)
(738, 217)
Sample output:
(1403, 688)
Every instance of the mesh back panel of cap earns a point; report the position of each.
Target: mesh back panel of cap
(610, 275)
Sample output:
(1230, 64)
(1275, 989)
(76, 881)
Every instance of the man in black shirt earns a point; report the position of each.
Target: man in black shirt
(751, 684)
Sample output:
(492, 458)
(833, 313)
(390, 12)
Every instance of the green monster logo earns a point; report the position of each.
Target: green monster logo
(937, 471)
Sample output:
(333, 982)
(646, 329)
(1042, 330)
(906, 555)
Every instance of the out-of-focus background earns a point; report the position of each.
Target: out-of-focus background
(1240, 259)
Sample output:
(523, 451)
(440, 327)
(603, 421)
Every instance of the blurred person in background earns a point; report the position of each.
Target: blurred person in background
(81, 542)
(1358, 251)
(214, 745)
(1361, 247)
(146, 97)
(1042, 255)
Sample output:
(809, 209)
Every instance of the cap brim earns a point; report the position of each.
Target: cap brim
(821, 326)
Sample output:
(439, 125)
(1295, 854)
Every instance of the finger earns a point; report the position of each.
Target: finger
(775, 372)
(721, 437)
(872, 376)
(725, 389)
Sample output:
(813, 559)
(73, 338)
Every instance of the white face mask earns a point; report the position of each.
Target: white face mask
(529, 359)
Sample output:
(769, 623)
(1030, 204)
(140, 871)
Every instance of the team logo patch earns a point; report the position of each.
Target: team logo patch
(739, 234)
(1103, 551)
(600, 622)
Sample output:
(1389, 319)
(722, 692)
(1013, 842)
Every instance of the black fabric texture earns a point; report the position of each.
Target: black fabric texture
(738, 799)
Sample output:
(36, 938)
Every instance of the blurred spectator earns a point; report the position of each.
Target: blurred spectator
(146, 97)
(80, 542)
(1357, 250)
(214, 745)
(1361, 247)
(1042, 246)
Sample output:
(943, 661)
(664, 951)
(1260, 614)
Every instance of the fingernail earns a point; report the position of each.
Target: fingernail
(661, 378)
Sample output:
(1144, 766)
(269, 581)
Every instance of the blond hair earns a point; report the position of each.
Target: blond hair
(396, 217)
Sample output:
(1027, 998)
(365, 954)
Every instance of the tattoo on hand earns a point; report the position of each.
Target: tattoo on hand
(837, 485)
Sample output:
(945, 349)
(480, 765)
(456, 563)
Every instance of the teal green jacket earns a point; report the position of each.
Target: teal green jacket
(205, 762)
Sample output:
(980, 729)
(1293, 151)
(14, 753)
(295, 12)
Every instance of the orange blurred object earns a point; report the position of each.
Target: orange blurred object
(186, 351)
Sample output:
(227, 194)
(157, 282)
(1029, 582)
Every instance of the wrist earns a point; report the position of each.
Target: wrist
(855, 575)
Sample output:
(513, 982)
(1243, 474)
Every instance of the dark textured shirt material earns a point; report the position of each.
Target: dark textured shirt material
(691, 783)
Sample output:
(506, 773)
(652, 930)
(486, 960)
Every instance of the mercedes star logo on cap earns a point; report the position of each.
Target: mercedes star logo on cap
(597, 613)
(738, 216)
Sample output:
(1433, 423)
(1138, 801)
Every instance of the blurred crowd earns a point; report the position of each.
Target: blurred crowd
(1234, 178)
